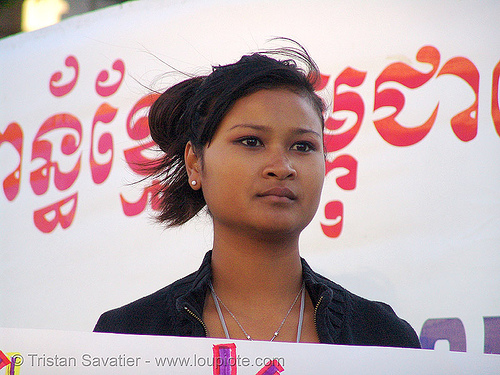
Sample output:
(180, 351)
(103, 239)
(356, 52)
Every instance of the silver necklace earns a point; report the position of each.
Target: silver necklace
(223, 321)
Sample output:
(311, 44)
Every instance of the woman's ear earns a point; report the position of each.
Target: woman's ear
(193, 166)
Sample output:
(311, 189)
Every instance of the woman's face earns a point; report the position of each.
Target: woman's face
(263, 170)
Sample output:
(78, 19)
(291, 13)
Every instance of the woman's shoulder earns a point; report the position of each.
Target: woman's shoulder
(159, 312)
(376, 323)
(348, 318)
(147, 314)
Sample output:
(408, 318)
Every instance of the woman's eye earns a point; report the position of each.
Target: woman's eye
(251, 142)
(303, 147)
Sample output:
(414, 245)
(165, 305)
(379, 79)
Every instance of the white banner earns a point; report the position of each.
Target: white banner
(410, 212)
(52, 352)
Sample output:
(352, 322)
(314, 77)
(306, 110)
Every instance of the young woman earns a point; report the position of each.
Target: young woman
(247, 142)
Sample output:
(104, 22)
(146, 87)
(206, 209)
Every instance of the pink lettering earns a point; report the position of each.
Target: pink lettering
(495, 110)
(464, 124)
(13, 135)
(347, 181)
(105, 114)
(42, 216)
(346, 101)
(42, 149)
(389, 128)
(150, 193)
(334, 210)
(71, 62)
(103, 76)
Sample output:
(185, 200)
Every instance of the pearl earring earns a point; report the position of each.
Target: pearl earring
(193, 182)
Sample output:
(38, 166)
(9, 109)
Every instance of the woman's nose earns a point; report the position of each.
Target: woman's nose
(279, 166)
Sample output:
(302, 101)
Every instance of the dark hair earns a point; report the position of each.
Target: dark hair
(193, 109)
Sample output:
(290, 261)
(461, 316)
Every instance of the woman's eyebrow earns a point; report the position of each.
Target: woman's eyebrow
(267, 129)
(307, 131)
(251, 126)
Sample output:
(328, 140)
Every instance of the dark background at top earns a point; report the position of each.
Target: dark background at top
(11, 10)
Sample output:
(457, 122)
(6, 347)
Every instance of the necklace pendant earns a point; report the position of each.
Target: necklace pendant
(223, 322)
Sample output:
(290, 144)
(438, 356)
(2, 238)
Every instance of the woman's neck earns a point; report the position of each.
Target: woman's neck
(258, 280)
(247, 268)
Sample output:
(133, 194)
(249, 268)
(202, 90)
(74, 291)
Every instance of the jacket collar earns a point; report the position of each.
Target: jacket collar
(329, 301)
(194, 297)
(328, 298)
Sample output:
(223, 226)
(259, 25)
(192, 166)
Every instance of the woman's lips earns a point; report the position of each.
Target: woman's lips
(281, 193)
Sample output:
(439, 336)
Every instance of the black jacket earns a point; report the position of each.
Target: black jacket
(340, 316)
